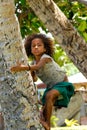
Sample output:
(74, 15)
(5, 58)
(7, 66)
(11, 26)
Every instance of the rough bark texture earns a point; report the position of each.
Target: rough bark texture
(63, 31)
(17, 98)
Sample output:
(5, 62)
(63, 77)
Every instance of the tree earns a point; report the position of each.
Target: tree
(63, 31)
(18, 103)
(17, 97)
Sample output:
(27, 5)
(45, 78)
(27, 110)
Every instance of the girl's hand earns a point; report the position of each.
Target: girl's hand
(19, 67)
(16, 68)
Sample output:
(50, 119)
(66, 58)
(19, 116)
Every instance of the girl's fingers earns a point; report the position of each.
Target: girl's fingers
(12, 69)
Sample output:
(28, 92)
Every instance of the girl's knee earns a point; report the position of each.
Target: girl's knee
(48, 95)
(52, 95)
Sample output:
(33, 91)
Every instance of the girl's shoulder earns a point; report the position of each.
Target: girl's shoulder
(46, 56)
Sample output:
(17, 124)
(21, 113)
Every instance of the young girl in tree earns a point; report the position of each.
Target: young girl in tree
(58, 91)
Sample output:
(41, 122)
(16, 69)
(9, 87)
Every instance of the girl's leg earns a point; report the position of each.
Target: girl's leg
(51, 97)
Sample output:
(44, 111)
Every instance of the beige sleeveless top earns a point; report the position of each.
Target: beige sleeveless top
(50, 73)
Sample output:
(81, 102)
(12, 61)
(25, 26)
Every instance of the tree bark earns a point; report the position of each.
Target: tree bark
(17, 97)
(63, 31)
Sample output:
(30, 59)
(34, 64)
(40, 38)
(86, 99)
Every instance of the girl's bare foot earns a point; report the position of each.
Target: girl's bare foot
(45, 125)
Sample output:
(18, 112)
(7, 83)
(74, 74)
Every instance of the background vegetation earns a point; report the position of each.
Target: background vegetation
(30, 23)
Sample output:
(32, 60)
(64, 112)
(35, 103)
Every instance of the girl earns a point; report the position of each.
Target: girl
(58, 91)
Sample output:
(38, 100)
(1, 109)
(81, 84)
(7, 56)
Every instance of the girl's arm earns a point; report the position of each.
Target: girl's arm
(19, 68)
(22, 67)
(34, 76)
(40, 64)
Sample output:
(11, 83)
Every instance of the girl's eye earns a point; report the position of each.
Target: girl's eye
(36, 45)
(33, 46)
(39, 45)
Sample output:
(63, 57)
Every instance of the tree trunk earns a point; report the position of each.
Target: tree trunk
(17, 97)
(63, 31)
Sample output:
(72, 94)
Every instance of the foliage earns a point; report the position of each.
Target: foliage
(76, 13)
(61, 58)
(71, 122)
(30, 23)
(53, 121)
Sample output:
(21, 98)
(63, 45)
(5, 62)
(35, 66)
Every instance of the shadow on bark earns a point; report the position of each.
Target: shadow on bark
(33, 128)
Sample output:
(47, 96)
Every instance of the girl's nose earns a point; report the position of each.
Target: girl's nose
(36, 46)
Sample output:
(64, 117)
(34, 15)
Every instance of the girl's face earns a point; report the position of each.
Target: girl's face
(37, 47)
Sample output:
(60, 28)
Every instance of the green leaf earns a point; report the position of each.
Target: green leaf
(23, 2)
(85, 36)
(82, 26)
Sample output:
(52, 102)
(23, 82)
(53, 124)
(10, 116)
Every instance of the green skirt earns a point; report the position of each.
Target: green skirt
(66, 90)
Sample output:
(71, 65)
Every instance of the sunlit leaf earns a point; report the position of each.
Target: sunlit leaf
(82, 26)
(85, 35)
(23, 2)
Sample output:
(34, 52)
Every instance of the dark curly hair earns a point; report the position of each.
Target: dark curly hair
(48, 44)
